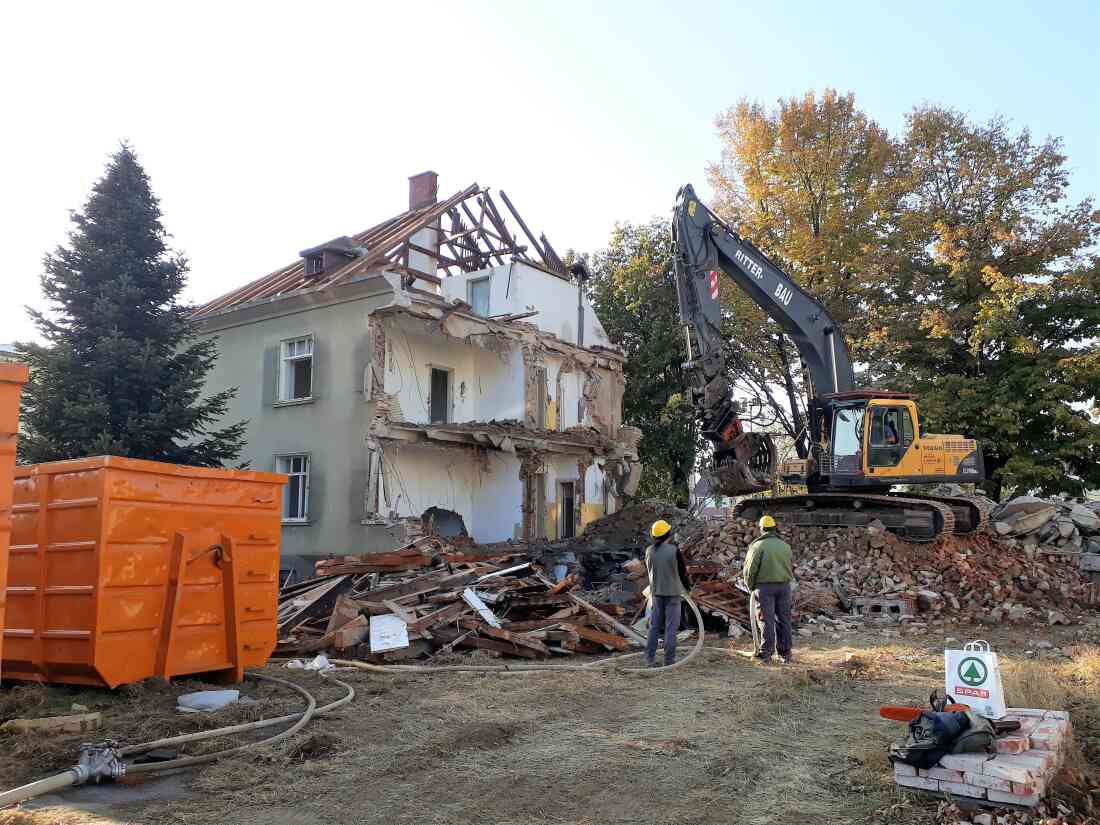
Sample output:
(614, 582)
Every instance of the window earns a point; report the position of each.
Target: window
(296, 491)
(567, 510)
(315, 264)
(891, 435)
(540, 397)
(439, 399)
(477, 293)
(296, 373)
(848, 440)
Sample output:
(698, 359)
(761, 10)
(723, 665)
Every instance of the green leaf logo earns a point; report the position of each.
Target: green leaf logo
(973, 671)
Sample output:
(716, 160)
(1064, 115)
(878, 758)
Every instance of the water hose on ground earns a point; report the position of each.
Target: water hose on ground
(537, 668)
(106, 762)
(111, 765)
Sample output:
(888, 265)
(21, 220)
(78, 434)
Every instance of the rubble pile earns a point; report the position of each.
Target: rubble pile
(979, 576)
(1039, 522)
(432, 597)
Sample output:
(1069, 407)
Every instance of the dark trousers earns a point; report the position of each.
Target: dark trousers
(665, 617)
(770, 615)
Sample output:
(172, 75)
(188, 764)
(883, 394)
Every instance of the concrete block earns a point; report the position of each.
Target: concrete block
(983, 781)
(1057, 714)
(901, 769)
(962, 789)
(1012, 744)
(943, 774)
(922, 782)
(964, 762)
(1013, 799)
(982, 819)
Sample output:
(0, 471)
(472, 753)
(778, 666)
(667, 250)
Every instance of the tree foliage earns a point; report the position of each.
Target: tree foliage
(633, 291)
(997, 312)
(812, 183)
(122, 370)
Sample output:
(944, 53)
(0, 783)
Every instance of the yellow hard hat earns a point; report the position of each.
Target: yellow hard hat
(660, 528)
(766, 523)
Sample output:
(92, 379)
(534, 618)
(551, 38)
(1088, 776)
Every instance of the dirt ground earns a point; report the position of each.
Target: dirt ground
(721, 740)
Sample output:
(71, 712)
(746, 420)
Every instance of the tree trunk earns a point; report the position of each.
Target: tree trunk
(801, 440)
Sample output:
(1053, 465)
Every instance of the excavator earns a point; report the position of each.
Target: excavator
(859, 442)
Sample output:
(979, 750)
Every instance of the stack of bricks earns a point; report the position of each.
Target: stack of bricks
(1019, 773)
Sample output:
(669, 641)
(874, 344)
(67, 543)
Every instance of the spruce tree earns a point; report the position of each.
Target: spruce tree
(122, 369)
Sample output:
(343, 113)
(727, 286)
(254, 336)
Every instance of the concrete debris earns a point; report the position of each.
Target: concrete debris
(205, 701)
(1047, 522)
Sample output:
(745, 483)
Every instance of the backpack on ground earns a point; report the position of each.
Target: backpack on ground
(931, 735)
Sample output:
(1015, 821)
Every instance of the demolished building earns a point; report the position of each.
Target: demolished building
(440, 369)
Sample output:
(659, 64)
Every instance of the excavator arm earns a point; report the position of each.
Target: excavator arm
(704, 246)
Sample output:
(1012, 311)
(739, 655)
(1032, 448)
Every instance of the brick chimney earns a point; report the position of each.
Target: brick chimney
(423, 191)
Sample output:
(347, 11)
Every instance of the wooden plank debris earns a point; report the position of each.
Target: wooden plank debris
(421, 600)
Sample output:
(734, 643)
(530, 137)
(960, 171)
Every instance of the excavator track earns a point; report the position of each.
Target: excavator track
(971, 514)
(913, 518)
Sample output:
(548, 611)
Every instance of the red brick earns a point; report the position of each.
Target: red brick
(1012, 744)
(964, 762)
(983, 781)
(901, 769)
(943, 774)
(1013, 767)
(1013, 799)
(921, 782)
(962, 789)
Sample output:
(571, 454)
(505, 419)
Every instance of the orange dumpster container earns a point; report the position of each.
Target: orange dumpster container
(12, 379)
(124, 569)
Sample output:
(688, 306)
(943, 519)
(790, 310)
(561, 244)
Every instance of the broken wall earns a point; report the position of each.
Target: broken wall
(485, 385)
(518, 287)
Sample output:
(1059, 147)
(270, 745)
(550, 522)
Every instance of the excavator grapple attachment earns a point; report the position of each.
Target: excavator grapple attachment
(749, 468)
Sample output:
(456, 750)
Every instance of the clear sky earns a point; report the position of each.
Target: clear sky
(269, 127)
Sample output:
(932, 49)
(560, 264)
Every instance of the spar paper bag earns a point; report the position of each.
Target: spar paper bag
(973, 677)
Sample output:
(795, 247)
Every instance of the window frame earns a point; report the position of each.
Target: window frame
(470, 284)
(281, 382)
(303, 495)
(315, 265)
(448, 408)
(562, 521)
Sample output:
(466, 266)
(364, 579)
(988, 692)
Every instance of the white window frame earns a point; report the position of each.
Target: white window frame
(488, 281)
(285, 364)
(315, 264)
(304, 494)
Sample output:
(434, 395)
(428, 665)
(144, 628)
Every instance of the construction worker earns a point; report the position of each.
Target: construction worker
(768, 572)
(668, 582)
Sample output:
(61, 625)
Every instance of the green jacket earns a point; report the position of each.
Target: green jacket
(769, 560)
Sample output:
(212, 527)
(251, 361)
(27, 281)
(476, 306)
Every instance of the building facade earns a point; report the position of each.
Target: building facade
(433, 372)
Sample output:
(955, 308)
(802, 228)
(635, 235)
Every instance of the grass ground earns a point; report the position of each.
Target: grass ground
(722, 740)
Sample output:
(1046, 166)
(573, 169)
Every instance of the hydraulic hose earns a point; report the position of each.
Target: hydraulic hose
(42, 786)
(77, 775)
(529, 668)
(263, 723)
